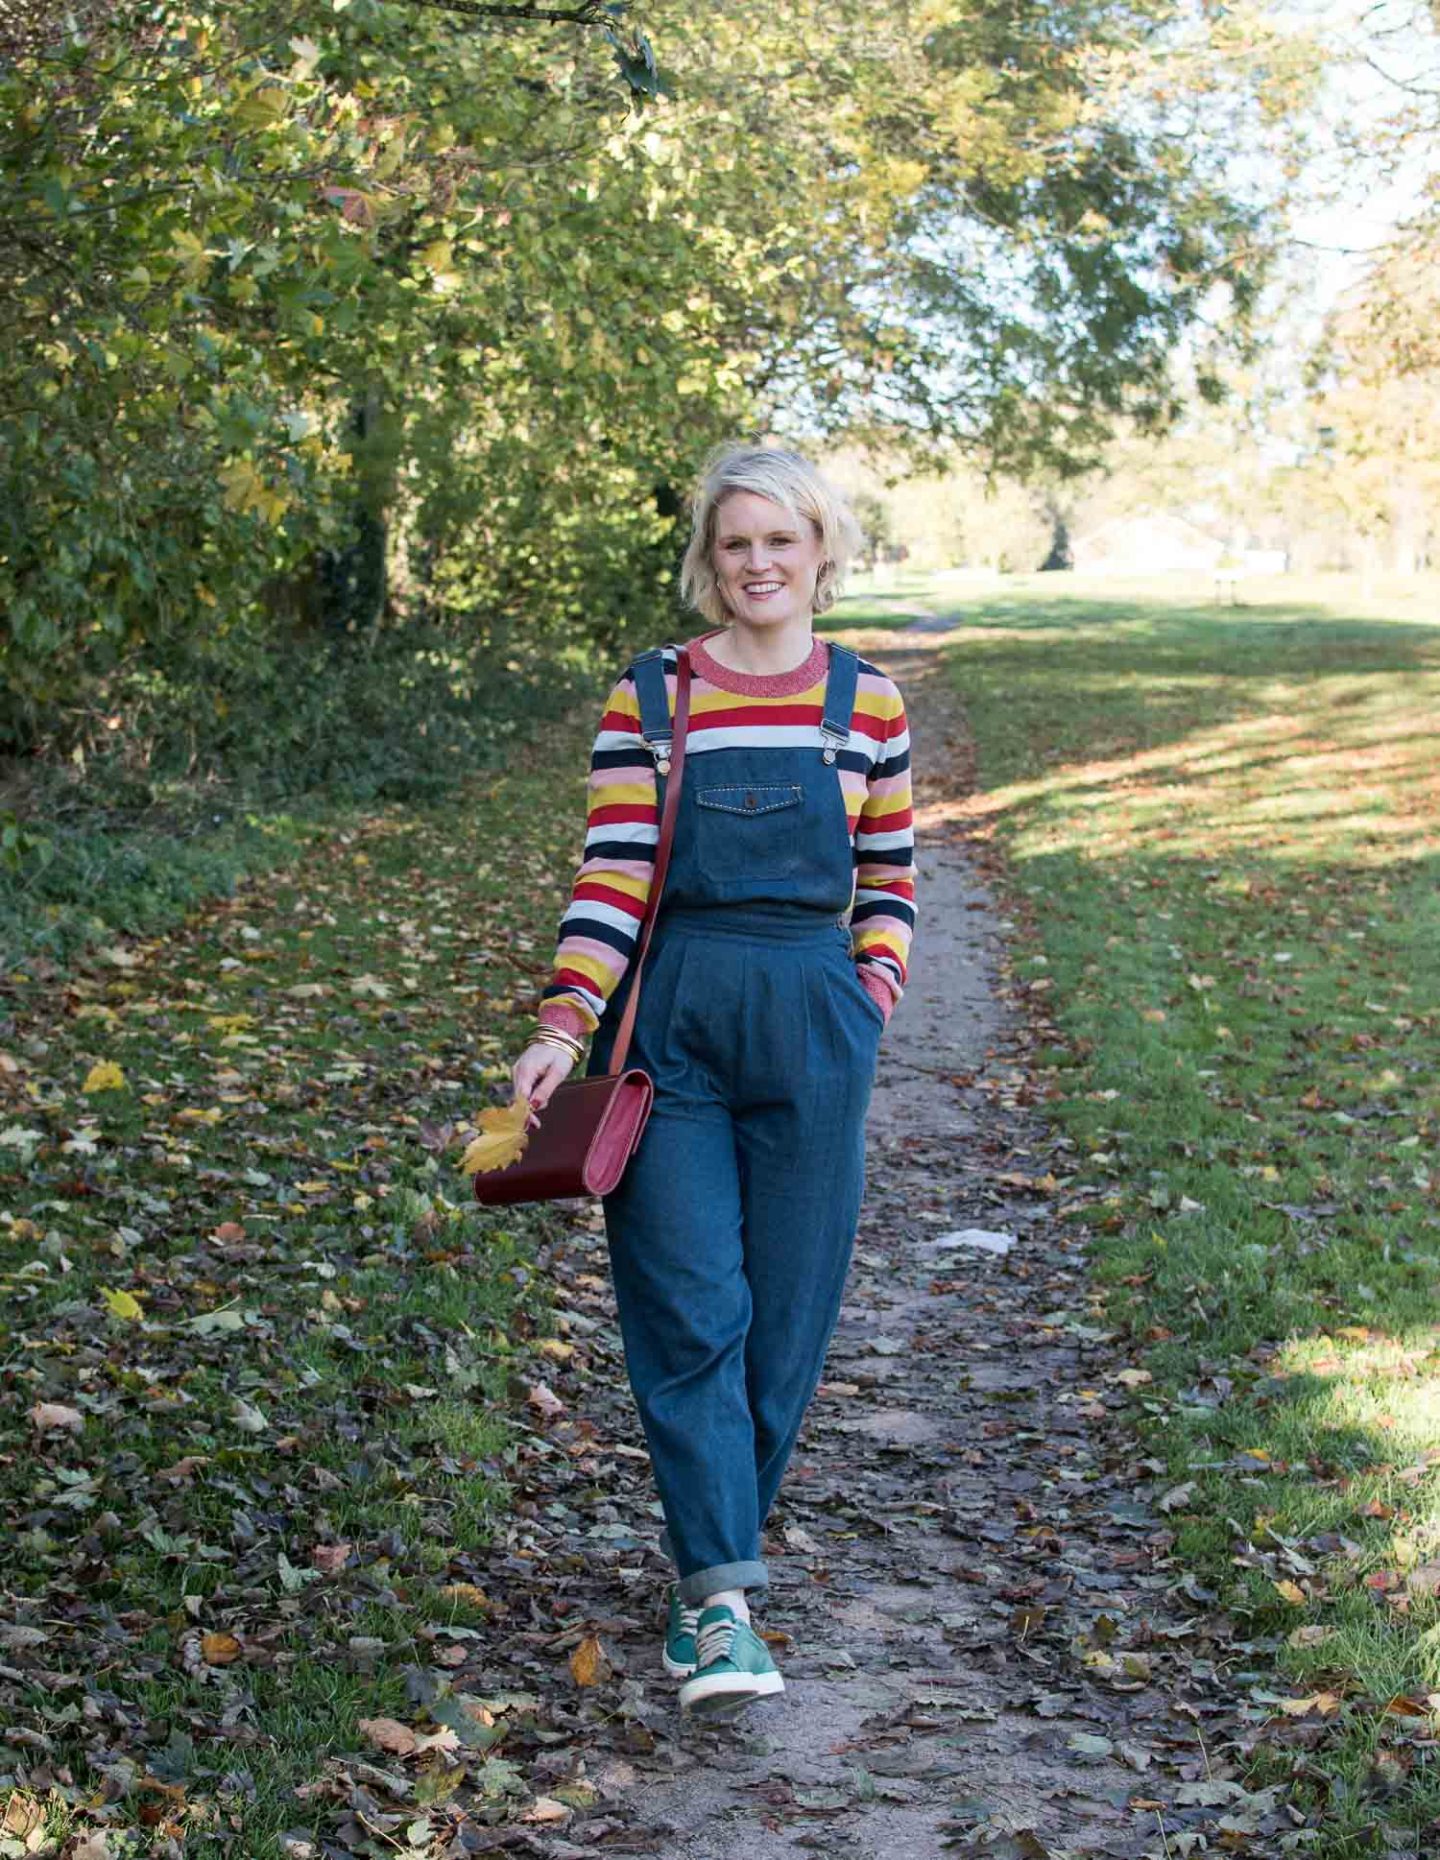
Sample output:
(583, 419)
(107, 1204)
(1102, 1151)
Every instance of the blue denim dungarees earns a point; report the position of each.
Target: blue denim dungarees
(731, 1230)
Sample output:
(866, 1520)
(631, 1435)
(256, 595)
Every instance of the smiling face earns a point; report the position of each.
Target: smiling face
(766, 560)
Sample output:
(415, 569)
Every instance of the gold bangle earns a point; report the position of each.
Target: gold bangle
(546, 1032)
(565, 1042)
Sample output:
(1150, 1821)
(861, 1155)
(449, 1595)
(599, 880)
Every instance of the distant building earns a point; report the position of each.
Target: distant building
(1153, 543)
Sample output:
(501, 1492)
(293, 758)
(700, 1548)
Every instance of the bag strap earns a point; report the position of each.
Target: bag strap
(675, 760)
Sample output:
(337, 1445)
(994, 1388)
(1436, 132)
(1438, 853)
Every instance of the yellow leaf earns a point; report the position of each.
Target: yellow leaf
(105, 1076)
(503, 1136)
(588, 1664)
(1323, 1704)
(123, 1304)
(1291, 1592)
(273, 504)
(242, 484)
(220, 1649)
(190, 256)
(466, 1593)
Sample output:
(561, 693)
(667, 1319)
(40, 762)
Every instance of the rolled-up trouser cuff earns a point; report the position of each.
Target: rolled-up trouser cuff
(694, 1588)
(702, 1582)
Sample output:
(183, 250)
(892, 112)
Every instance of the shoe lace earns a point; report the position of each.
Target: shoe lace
(715, 1640)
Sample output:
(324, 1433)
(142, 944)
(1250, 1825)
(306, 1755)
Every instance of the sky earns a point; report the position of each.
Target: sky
(1393, 40)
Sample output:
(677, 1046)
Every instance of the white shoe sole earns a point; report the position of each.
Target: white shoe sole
(729, 1692)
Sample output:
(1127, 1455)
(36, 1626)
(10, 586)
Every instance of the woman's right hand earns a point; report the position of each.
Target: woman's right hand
(536, 1073)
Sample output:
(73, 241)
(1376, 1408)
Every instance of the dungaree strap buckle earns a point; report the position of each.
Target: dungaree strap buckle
(649, 672)
(835, 740)
(839, 700)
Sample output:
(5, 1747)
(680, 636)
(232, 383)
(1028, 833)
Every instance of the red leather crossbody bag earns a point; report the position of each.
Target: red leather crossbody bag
(590, 1128)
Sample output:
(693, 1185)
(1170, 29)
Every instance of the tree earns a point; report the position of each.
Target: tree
(431, 313)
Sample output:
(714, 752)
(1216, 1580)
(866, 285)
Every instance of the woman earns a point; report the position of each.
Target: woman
(759, 1020)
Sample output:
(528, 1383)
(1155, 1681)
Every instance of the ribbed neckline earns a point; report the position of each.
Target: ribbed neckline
(758, 684)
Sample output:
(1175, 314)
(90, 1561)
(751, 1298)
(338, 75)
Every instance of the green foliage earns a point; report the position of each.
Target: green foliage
(418, 313)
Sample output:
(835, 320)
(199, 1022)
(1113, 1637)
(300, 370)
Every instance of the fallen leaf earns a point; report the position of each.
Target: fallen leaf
(50, 1414)
(389, 1734)
(185, 1468)
(18, 1635)
(589, 1665)
(23, 1816)
(1323, 1704)
(104, 1076)
(1291, 1592)
(122, 1304)
(544, 1401)
(466, 1593)
(546, 1809)
(220, 1649)
(1087, 1744)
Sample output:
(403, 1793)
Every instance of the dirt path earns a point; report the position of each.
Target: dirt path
(987, 1652)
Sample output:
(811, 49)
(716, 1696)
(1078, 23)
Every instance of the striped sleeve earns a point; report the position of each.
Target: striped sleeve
(882, 920)
(607, 902)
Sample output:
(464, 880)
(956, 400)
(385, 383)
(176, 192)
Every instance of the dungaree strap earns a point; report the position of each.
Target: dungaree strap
(648, 669)
(839, 699)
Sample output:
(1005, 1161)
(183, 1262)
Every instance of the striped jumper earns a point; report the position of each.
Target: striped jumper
(731, 709)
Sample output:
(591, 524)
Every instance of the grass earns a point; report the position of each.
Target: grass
(1223, 833)
(260, 1348)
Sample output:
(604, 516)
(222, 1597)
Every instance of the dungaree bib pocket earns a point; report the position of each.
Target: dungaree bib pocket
(749, 831)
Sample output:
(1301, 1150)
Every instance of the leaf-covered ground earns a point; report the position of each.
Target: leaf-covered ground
(335, 1535)
(259, 1345)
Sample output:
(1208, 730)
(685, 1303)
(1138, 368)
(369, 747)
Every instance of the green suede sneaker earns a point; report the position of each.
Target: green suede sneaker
(679, 1653)
(733, 1666)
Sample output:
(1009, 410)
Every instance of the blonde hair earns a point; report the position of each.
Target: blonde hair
(787, 479)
